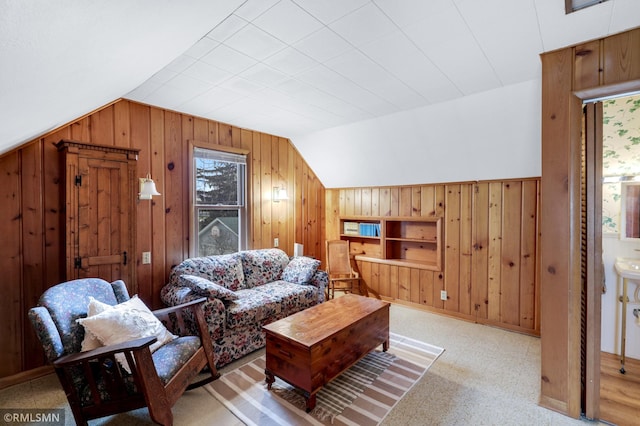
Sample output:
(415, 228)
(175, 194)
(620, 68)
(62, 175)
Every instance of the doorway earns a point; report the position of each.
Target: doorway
(620, 165)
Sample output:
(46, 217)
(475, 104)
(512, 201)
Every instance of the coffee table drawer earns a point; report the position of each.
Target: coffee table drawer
(292, 362)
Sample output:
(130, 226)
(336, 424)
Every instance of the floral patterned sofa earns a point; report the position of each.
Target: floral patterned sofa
(245, 291)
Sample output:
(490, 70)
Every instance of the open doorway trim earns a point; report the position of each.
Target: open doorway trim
(593, 266)
(593, 69)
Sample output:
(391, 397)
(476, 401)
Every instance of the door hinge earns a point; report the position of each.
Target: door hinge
(77, 263)
(78, 180)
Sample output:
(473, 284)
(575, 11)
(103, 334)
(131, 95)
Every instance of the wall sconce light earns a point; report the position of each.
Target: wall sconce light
(279, 193)
(147, 188)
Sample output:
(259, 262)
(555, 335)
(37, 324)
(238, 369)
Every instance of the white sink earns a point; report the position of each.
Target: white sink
(628, 268)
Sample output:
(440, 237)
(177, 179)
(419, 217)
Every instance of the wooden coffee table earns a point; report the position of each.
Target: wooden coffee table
(310, 348)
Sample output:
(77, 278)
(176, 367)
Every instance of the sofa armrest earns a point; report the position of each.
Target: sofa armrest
(178, 319)
(214, 309)
(321, 280)
(175, 308)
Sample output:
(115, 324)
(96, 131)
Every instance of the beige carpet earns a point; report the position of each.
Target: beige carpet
(487, 376)
(362, 395)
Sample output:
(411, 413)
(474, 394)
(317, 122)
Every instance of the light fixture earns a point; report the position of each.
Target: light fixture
(147, 188)
(279, 193)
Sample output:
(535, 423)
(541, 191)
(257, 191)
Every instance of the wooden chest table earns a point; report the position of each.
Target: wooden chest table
(309, 348)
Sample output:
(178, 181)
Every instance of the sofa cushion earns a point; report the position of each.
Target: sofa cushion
(300, 270)
(252, 307)
(292, 297)
(262, 266)
(204, 287)
(224, 270)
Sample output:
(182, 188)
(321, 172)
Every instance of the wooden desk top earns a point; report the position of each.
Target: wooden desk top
(319, 322)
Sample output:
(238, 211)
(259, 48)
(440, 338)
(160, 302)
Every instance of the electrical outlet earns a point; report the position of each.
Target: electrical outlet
(443, 294)
(146, 257)
(276, 242)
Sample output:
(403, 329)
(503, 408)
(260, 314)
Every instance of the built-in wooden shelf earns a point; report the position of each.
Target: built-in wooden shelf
(399, 262)
(359, 236)
(402, 241)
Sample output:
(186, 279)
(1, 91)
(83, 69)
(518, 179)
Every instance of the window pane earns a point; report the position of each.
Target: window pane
(218, 182)
(218, 231)
(575, 5)
(218, 191)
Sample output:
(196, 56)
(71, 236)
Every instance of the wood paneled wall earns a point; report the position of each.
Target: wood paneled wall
(490, 248)
(31, 219)
(590, 70)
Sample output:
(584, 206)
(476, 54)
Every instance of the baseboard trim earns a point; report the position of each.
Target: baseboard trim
(25, 376)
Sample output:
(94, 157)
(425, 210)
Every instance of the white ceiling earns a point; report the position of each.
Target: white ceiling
(61, 59)
(294, 67)
(287, 67)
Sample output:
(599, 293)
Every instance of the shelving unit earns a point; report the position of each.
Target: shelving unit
(405, 241)
(369, 245)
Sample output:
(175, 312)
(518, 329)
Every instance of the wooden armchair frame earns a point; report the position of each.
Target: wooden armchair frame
(98, 371)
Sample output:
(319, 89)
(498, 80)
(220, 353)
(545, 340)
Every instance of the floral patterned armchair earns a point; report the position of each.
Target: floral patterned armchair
(95, 381)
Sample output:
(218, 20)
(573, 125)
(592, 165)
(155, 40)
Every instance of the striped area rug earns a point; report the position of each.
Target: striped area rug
(362, 395)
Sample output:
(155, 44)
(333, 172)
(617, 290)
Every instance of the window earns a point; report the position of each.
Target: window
(575, 5)
(219, 181)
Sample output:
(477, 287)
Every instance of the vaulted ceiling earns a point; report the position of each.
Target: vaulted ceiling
(292, 67)
(287, 67)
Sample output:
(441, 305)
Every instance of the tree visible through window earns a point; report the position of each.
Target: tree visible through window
(219, 190)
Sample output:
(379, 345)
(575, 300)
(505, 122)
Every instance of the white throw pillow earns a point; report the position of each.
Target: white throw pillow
(94, 308)
(126, 321)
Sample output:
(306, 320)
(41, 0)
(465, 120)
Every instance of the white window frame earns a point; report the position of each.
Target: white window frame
(226, 154)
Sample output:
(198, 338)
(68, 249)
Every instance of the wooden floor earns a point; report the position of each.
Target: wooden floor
(619, 393)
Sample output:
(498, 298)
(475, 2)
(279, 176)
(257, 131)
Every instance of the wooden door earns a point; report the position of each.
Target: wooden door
(100, 212)
(104, 247)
